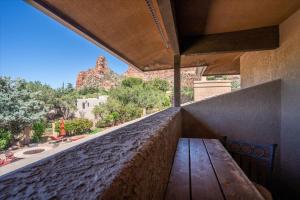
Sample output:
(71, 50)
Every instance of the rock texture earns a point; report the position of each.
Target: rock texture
(102, 76)
(99, 76)
(188, 75)
(132, 162)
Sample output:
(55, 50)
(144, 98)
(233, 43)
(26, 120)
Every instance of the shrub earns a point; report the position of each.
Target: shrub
(38, 130)
(108, 120)
(187, 94)
(131, 82)
(81, 125)
(159, 84)
(5, 138)
(96, 130)
(75, 126)
(92, 91)
(114, 112)
(101, 124)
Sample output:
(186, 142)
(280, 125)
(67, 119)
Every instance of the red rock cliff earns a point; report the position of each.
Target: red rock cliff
(99, 76)
(188, 75)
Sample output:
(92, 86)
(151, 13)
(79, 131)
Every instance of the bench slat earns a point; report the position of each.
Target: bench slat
(234, 183)
(204, 183)
(179, 182)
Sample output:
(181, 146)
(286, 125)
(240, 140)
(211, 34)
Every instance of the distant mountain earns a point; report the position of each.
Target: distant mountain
(99, 76)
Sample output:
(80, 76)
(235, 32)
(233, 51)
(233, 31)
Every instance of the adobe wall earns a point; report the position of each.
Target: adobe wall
(132, 162)
(283, 63)
(204, 89)
(251, 114)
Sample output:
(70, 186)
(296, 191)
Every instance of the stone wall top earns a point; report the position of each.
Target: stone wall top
(84, 171)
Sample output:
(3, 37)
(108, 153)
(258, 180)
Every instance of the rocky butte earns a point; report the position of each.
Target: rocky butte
(99, 76)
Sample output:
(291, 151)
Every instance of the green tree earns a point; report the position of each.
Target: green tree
(43, 92)
(65, 104)
(59, 102)
(70, 87)
(159, 84)
(127, 101)
(187, 94)
(5, 138)
(19, 107)
(38, 128)
(131, 82)
(91, 92)
(114, 112)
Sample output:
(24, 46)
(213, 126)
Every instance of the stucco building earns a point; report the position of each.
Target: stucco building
(204, 88)
(85, 107)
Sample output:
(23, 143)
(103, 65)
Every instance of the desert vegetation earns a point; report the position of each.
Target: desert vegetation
(34, 105)
(132, 99)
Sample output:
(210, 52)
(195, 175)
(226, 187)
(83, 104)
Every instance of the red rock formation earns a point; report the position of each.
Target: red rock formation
(102, 76)
(99, 76)
(188, 75)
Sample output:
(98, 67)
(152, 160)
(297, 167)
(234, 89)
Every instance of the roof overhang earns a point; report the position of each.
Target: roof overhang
(148, 33)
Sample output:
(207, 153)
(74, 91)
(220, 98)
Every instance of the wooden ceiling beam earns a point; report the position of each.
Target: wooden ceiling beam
(240, 41)
(167, 14)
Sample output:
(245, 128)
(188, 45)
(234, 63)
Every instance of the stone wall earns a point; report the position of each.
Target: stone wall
(282, 63)
(132, 162)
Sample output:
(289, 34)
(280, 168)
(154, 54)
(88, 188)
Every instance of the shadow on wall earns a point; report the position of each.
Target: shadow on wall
(196, 128)
(251, 114)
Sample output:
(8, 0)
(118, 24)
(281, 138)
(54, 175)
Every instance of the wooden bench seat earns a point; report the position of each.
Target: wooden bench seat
(203, 169)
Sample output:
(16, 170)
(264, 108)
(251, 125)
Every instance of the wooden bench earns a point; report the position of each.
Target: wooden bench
(203, 169)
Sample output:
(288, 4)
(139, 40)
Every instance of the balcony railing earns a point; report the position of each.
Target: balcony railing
(120, 164)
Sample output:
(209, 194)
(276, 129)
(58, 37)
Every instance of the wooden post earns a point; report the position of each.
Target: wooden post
(176, 101)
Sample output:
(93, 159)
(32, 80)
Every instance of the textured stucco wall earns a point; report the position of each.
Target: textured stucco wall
(283, 63)
(86, 110)
(251, 114)
(204, 89)
(132, 162)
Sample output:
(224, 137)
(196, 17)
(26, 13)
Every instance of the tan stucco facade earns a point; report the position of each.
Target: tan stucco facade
(205, 89)
(282, 63)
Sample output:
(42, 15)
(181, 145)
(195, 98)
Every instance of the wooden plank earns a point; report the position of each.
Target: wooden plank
(179, 182)
(240, 41)
(234, 183)
(204, 183)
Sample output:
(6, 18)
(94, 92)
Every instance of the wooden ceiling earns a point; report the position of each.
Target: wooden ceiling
(148, 33)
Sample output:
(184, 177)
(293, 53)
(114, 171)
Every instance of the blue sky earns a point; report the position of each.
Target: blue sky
(33, 46)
